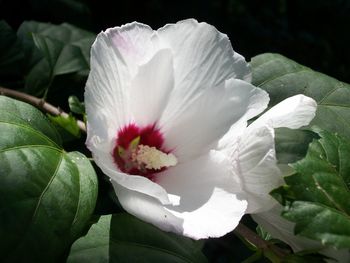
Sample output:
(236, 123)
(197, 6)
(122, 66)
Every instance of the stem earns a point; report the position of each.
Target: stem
(39, 103)
(257, 241)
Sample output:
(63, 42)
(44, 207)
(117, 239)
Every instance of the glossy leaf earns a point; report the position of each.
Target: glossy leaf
(62, 58)
(47, 194)
(317, 197)
(292, 145)
(53, 50)
(282, 78)
(26, 117)
(75, 105)
(123, 238)
(69, 124)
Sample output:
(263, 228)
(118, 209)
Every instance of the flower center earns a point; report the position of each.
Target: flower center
(140, 151)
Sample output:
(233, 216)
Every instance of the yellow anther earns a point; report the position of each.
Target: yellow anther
(151, 158)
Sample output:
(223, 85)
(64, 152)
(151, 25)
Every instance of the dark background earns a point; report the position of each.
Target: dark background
(314, 33)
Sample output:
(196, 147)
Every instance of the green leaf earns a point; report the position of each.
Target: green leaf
(292, 145)
(16, 114)
(320, 222)
(67, 123)
(62, 58)
(317, 197)
(123, 238)
(75, 105)
(53, 50)
(263, 233)
(282, 78)
(47, 194)
(11, 55)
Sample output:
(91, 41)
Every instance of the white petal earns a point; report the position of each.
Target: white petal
(150, 89)
(207, 189)
(202, 223)
(105, 92)
(257, 156)
(203, 59)
(217, 217)
(115, 57)
(258, 169)
(135, 43)
(199, 49)
(228, 144)
(148, 209)
(293, 112)
(198, 127)
(140, 184)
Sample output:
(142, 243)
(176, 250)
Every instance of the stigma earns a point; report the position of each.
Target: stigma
(140, 151)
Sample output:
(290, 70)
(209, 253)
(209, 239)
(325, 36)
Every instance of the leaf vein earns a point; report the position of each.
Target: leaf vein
(282, 75)
(318, 186)
(150, 247)
(40, 134)
(38, 204)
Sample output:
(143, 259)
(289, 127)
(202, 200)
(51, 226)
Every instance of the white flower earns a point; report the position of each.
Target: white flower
(166, 118)
(251, 149)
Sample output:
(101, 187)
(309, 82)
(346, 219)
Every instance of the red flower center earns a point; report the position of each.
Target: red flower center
(140, 151)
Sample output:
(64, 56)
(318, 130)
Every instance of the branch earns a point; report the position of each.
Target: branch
(39, 103)
(256, 240)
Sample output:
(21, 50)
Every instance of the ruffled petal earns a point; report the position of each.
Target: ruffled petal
(151, 88)
(116, 56)
(253, 151)
(293, 113)
(202, 223)
(203, 61)
(124, 87)
(202, 56)
(258, 167)
(135, 43)
(148, 209)
(217, 217)
(105, 92)
(228, 144)
(198, 127)
(210, 204)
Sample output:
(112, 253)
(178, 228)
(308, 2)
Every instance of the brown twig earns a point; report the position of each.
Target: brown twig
(257, 241)
(39, 103)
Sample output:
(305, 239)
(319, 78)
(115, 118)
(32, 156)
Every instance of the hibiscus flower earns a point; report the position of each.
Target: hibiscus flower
(167, 114)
